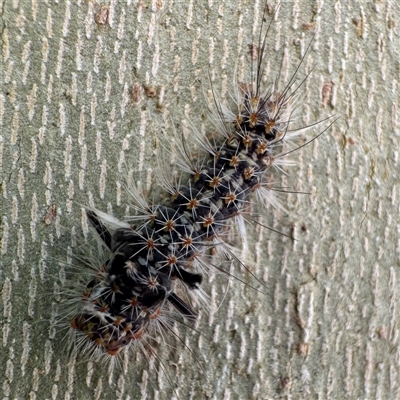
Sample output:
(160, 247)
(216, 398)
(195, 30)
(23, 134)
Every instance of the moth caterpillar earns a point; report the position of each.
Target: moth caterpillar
(166, 246)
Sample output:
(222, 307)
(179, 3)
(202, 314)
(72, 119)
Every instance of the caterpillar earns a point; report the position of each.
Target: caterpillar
(164, 249)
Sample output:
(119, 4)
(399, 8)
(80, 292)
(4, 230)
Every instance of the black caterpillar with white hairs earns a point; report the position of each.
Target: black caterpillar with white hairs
(169, 243)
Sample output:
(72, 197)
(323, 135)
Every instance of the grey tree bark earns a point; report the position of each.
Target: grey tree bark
(90, 90)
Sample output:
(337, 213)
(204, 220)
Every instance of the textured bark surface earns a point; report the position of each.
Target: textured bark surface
(87, 86)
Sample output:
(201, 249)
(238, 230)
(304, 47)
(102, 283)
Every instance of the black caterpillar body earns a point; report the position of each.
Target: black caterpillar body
(133, 286)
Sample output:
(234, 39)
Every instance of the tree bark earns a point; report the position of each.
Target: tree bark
(91, 91)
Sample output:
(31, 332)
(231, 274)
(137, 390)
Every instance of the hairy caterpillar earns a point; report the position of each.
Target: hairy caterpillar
(166, 244)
